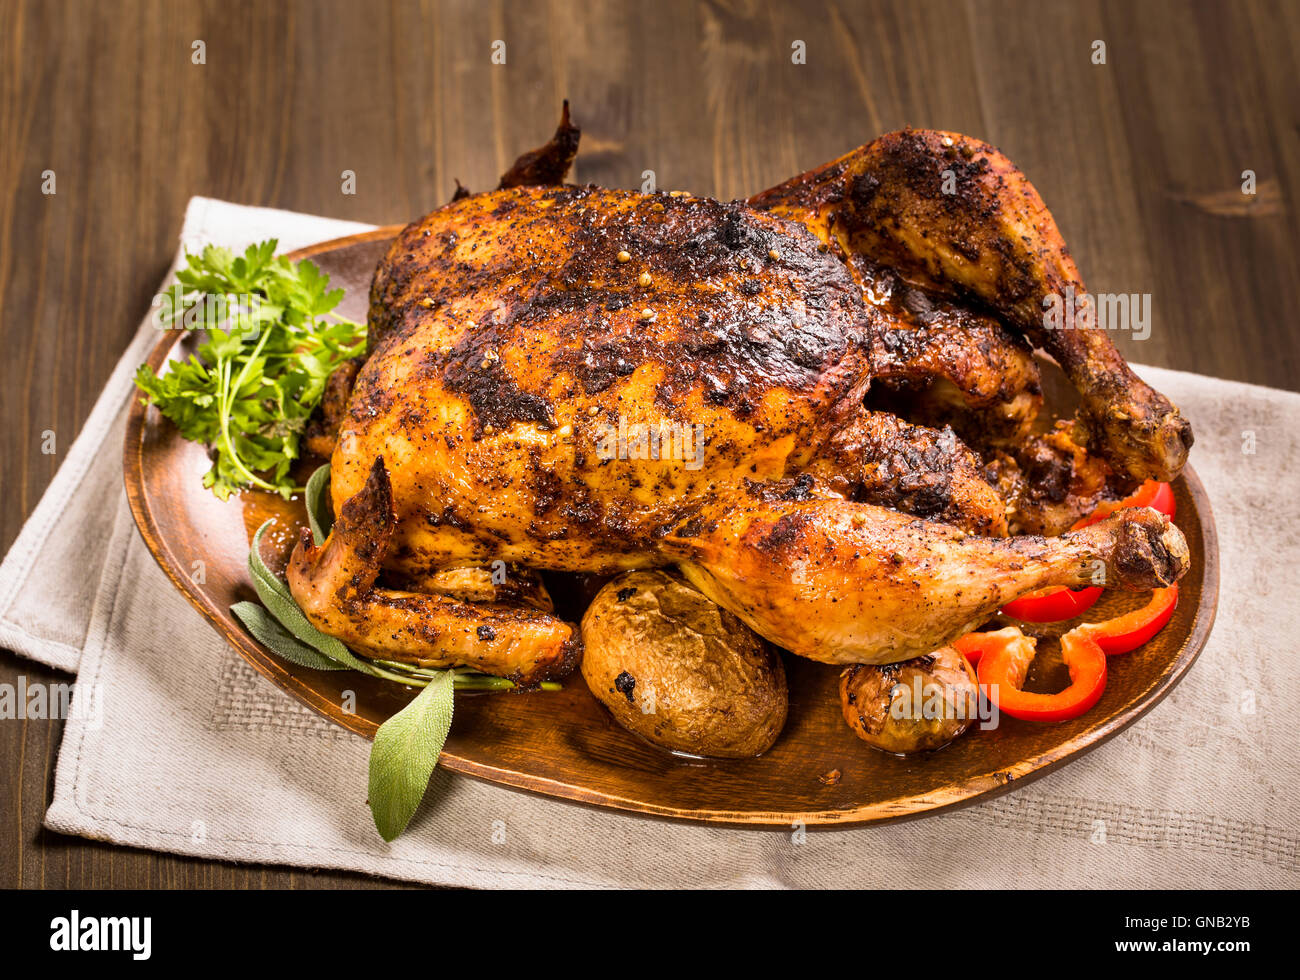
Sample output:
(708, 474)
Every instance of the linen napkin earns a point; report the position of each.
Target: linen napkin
(175, 744)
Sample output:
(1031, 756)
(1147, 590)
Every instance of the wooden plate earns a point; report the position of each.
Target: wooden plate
(564, 744)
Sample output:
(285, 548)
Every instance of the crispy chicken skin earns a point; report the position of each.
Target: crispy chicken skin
(335, 587)
(942, 364)
(849, 583)
(992, 240)
(877, 458)
(519, 363)
(531, 340)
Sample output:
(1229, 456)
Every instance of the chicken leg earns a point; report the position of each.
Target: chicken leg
(846, 583)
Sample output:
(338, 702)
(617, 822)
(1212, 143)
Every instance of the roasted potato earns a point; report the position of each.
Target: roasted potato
(910, 706)
(681, 671)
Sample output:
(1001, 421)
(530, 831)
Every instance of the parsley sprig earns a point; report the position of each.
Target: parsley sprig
(272, 342)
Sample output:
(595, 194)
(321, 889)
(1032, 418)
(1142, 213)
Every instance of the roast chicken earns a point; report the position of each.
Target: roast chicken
(577, 379)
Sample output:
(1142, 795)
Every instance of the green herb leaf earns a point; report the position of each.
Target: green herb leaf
(279, 640)
(272, 343)
(319, 514)
(405, 753)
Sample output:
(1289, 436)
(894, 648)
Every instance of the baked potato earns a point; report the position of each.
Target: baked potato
(681, 671)
(910, 706)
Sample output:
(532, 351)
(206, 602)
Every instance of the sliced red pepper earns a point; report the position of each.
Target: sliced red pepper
(1130, 631)
(1053, 604)
(972, 646)
(1004, 659)
(1057, 603)
(1158, 496)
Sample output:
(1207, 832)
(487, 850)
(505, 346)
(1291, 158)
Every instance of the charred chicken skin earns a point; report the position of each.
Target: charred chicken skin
(953, 214)
(588, 380)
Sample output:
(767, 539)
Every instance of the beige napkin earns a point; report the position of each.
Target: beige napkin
(175, 744)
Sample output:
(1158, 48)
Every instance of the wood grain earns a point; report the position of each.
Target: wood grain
(705, 95)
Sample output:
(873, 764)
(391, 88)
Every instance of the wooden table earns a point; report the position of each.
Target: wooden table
(1140, 158)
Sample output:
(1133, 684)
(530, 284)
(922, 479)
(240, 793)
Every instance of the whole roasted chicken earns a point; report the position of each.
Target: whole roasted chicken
(588, 380)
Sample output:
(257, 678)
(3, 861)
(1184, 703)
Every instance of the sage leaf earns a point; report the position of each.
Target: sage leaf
(404, 754)
(319, 515)
(268, 631)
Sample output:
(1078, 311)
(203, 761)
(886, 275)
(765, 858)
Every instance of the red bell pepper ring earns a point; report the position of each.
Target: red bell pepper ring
(1158, 496)
(1004, 658)
(1053, 604)
(1130, 631)
(1057, 603)
(973, 646)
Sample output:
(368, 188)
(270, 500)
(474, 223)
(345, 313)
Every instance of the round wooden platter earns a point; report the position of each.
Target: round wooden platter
(564, 744)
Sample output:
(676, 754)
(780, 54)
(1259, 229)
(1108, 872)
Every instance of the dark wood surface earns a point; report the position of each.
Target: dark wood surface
(1140, 159)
